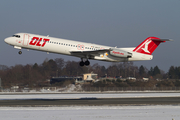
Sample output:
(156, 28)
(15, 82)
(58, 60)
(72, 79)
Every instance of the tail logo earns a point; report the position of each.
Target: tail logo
(146, 46)
(149, 45)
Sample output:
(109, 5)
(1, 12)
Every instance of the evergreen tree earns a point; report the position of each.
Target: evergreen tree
(178, 72)
(156, 71)
(151, 71)
(171, 72)
(35, 66)
(142, 70)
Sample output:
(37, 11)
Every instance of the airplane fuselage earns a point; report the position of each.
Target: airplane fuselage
(78, 49)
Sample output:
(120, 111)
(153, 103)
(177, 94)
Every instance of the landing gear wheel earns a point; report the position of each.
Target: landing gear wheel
(81, 63)
(86, 62)
(20, 52)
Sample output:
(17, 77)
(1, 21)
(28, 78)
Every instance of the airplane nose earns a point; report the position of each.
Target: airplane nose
(6, 40)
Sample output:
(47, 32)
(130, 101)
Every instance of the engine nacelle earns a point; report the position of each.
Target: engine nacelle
(120, 53)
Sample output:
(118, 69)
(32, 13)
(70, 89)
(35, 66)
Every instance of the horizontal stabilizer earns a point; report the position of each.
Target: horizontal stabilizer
(163, 40)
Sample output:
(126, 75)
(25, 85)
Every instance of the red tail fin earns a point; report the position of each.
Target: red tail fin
(149, 45)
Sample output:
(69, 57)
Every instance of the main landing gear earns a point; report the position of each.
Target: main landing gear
(82, 63)
(20, 52)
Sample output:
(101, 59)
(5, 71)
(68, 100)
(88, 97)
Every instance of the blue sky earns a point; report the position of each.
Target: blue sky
(121, 23)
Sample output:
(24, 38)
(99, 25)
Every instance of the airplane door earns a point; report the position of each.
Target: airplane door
(26, 38)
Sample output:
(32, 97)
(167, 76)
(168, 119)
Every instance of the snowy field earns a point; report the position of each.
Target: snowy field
(78, 96)
(91, 113)
(160, 112)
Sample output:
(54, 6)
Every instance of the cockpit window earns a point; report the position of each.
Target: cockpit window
(18, 36)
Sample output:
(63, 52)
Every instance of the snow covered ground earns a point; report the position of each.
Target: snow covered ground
(91, 113)
(160, 112)
(85, 95)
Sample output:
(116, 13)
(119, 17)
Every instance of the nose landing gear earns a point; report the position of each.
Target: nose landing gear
(20, 52)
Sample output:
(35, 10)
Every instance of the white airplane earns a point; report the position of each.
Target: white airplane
(84, 50)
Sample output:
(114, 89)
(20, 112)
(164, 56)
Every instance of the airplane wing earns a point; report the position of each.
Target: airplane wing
(91, 53)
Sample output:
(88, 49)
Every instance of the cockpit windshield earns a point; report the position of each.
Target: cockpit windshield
(18, 36)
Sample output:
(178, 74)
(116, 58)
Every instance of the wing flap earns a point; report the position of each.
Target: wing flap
(89, 53)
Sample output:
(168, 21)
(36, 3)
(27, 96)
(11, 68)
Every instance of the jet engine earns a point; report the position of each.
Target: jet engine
(120, 53)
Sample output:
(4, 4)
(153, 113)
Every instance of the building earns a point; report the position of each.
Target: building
(90, 77)
(87, 78)
(62, 79)
(131, 78)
